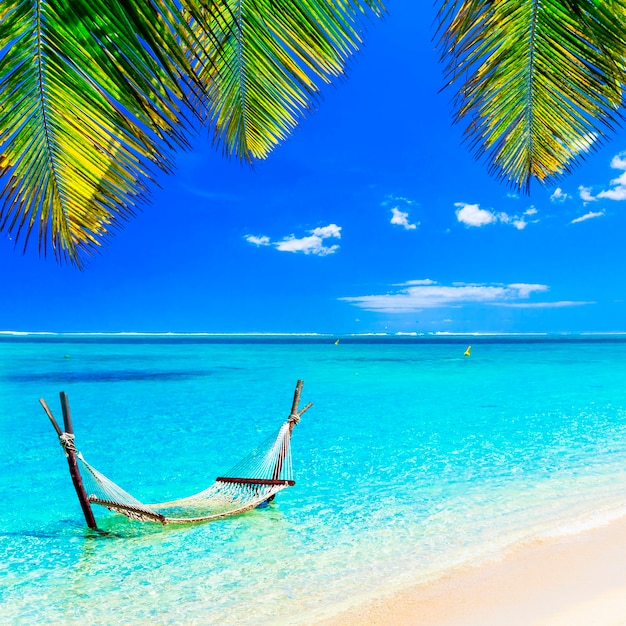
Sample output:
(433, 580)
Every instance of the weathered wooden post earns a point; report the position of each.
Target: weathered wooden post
(67, 441)
(294, 418)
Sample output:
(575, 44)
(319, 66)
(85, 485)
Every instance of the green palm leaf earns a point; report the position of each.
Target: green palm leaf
(87, 109)
(540, 81)
(269, 59)
(94, 96)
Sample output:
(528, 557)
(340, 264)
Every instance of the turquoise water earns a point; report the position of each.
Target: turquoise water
(414, 459)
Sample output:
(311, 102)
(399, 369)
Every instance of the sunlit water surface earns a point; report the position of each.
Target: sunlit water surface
(414, 459)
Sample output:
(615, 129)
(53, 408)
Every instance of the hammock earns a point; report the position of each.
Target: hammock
(255, 480)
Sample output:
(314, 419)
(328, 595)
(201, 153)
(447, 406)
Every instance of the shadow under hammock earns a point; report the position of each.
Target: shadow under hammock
(255, 480)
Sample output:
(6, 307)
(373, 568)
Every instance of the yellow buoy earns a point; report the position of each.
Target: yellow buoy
(337, 342)
(467, 352)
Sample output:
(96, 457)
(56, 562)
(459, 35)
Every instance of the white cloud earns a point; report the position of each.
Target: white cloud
(426, 294)
(585, 194)
(584, 143)
(399, 206)
(618, 162)
(617, 186)
(587, 216)
(401, 218)
(618, 192)
(397, 201)
(559, 195)
(332, 230)
(473, 215)
(542, 305)
(526, 289)
(579, 146)
(306, 245)
(311, 244)
(258, 241)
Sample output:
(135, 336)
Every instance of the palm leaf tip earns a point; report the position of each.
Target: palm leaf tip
(540, 82)
(266, 73)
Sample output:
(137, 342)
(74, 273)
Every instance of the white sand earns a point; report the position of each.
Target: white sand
(578, 580)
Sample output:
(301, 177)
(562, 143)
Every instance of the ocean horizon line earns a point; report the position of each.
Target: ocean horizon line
(409, 334)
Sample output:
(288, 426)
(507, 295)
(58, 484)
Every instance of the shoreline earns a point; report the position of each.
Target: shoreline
(571, 580)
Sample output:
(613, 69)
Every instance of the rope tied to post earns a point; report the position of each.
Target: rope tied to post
(67, 442)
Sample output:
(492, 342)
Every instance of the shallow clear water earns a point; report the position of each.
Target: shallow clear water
(412, 460)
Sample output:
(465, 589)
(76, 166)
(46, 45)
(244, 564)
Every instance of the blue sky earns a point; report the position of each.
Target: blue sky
(373, 217)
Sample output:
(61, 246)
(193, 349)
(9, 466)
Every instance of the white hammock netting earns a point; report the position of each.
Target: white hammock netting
(254, 480)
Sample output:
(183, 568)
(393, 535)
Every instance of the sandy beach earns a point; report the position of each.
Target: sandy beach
(575, 580)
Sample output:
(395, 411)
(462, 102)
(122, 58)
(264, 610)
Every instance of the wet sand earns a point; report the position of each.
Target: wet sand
(575, 580)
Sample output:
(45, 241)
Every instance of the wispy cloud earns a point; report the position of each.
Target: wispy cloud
(313, 243)
(585, 194)
(559, 195)
(542, 305)
(473, 216)
(587, 216)
(583, 144)
(399, 206)
(415, 295)
(617, 190)
(258, 241)
(397, 201)
(617, 186)
(400, 218)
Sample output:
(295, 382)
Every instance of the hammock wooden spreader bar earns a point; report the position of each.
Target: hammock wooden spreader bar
(254, 480)
(132, 512)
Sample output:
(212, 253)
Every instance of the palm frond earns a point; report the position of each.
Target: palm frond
(92, 94)
(540, 82)
(267, 60)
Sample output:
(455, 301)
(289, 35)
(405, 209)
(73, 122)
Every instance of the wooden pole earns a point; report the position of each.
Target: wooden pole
(306, 408)
(296, 399)
(70, 451)
(294, 418)
(50, 416)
